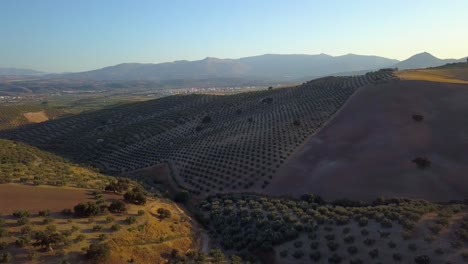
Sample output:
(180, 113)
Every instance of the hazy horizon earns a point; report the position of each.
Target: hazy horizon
(59, 36)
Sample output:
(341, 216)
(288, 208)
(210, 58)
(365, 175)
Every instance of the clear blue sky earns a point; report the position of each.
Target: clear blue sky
(68, 35)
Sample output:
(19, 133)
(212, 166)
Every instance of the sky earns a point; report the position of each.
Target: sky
(66, 35)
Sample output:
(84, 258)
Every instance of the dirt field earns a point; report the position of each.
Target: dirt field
(36, 117)
(366, 151)
(35, 198)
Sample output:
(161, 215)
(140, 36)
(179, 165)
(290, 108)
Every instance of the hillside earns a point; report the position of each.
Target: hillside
(372, 142)
(268, 67)
(211, 143)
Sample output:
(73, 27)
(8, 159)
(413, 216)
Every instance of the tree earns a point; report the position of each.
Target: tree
(418, 118)
(117, 206)
(422, 259)
(182, 197)
(119, 186)
(98, 252)
(135, 197)
(422, 162)
(164, 213)
(296, 122)
(46, 239)
(206, 120)
(86, 209)
(217, 255)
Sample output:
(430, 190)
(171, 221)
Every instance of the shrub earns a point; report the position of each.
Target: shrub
(141, 212)
(356, 261)
(164, 213)
(3, 245)
(98, 252)
(23, 221)
(439, 251)
(97, 228)
(110, 219)
(392, 244)
(364, 232)
(102, 237)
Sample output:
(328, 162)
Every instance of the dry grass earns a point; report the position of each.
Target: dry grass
(457, 75)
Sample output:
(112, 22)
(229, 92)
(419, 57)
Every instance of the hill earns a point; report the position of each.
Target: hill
(424, 60)
(211, 143)
(271, 67)
(372, 143)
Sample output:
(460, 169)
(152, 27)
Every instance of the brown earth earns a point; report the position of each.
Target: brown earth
(366, 150)
(35, 198)
(36, 117)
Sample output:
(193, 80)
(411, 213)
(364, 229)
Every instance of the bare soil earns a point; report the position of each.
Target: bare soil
(35, 198)
(36, 117)
(366, 151)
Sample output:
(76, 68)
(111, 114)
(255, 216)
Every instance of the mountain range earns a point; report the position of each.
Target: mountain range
(18, 71)
(268, 67)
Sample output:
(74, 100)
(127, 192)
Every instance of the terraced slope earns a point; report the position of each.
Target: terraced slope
(212, 143)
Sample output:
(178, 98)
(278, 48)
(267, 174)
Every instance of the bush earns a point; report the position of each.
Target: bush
(97, 228)
(141, 212)
(98, 252)
(363, 221)
(206, 120)
(369, 241)
(356, 261)
(164, 213)
(23, 221)
(110, 219)
(392, 244)
(349, 239)
(417, 118)
(80, 238)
